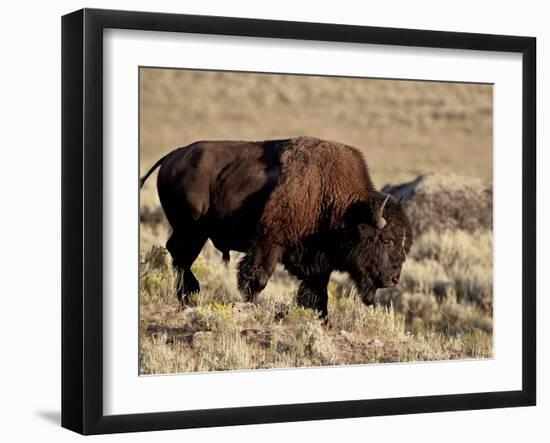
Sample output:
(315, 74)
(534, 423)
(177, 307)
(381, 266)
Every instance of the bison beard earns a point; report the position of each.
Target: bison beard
(306, 203)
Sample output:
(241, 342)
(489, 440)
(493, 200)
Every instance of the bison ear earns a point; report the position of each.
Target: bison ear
(367, 215)
(363, 229)
(358, 223)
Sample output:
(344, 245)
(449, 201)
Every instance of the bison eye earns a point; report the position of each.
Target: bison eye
(387, 241)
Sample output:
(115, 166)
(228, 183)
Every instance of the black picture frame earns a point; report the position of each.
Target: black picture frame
(82, 219)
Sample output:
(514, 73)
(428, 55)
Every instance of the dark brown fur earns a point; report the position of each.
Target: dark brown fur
(306, 203)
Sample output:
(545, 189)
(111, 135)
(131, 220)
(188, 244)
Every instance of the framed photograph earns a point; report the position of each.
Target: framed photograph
(268, 221)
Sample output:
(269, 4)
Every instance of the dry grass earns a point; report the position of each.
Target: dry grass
(405, 128)
(442, 309)
(222, 332)
(446, 202)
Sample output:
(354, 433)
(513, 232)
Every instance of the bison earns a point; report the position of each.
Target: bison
(306, 203)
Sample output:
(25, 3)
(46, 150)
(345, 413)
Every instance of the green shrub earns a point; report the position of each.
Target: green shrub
(156, 258)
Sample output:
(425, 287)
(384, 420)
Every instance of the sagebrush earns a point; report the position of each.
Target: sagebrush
(442, 310)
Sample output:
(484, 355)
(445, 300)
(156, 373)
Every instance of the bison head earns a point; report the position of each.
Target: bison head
(380, 238)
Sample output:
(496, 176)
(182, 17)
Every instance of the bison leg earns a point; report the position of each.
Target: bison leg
(255, 268)
(312, 293)
(184, 249)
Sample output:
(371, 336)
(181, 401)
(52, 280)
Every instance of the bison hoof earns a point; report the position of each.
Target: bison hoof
(187, 284)
(250, 290)
(183, 300)
(251, 281)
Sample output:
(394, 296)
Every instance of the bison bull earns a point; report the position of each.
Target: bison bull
(306, 203)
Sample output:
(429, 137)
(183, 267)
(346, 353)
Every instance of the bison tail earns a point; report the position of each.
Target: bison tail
(146, 176)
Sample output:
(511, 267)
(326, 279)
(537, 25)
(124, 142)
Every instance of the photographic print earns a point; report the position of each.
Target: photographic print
(250, 204)
(291, 221)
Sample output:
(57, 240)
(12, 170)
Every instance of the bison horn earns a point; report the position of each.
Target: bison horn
(380, 220)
